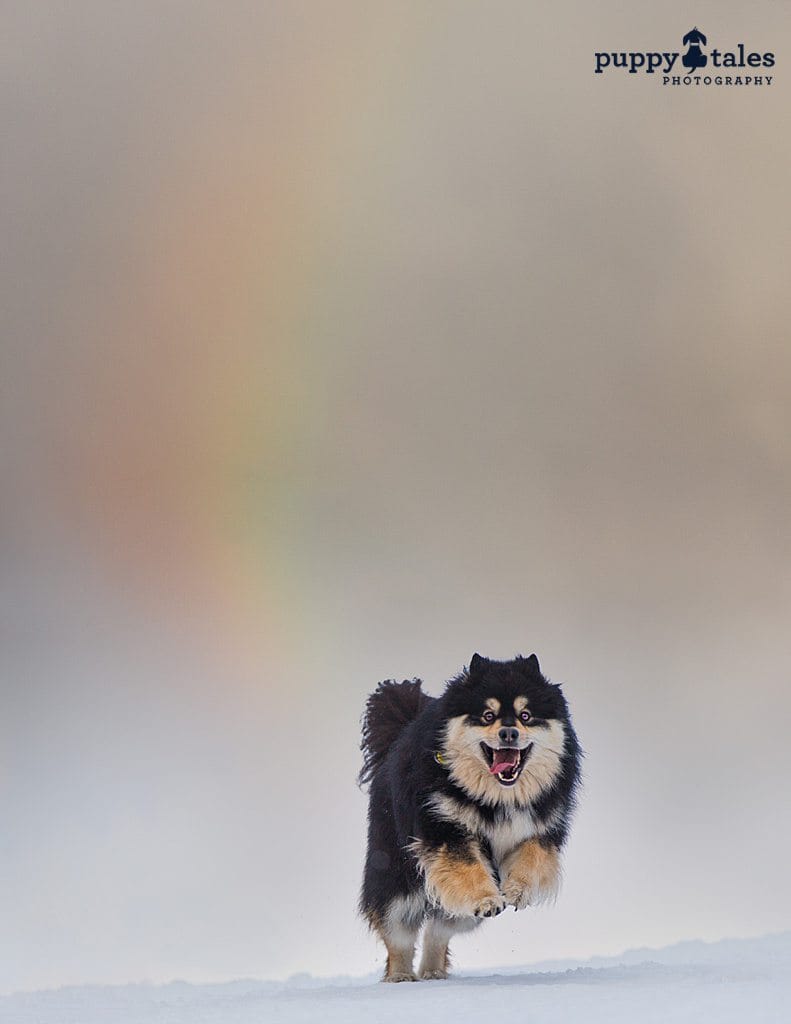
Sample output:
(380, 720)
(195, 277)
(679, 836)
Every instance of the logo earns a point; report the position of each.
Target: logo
(693, 58)
(734, 67)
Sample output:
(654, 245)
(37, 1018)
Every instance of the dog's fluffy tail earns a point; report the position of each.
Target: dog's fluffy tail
(390, 707)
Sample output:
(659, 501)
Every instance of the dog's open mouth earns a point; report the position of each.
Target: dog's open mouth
(506, 762)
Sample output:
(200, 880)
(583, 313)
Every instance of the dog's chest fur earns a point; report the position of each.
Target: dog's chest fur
(503, 834)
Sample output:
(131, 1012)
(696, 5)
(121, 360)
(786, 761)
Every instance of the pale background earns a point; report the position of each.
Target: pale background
(342, 340)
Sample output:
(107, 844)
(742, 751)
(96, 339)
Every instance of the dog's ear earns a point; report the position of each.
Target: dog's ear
(477, 665)
(530, 666)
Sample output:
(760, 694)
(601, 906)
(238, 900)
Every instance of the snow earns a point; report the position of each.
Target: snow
(734, 980)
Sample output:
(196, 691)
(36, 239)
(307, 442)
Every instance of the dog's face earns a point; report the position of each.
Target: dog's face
(505, 732)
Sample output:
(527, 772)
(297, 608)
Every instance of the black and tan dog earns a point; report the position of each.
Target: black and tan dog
(470, 802)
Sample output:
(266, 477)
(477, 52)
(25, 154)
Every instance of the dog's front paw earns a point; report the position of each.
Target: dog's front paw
(397, 976)
(460, 883)
(531, 875)
(520, 893)
(490, 906)
(517, 895)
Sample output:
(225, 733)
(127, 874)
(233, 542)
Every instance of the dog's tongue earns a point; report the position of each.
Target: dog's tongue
(505, 758)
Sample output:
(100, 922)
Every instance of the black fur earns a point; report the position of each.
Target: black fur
(389, 708)
(403, 734)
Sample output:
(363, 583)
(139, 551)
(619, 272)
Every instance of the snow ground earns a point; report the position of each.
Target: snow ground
(735, 980)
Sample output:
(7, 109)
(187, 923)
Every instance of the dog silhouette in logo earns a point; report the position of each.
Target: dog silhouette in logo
(693, 58)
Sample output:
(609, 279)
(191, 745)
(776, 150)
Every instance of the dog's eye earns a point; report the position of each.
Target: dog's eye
(488, 717)
(525, 716)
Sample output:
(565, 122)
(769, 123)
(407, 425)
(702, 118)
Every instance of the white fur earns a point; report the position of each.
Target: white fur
(404, 916)
(503, 837)
(467, 767)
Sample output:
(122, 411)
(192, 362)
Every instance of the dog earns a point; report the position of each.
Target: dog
(471, 797)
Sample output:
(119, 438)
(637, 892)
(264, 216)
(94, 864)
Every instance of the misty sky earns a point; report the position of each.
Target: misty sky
(341, 341)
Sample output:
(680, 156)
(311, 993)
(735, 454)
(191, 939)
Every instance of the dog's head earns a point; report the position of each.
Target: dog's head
(506, 730)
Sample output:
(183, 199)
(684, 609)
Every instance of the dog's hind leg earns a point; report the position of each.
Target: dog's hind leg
(435, 960)
(399, 928)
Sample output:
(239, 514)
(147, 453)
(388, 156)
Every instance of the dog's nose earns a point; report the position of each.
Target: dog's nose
(508, 735)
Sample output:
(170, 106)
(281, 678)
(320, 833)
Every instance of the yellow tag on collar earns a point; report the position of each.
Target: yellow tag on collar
(438, 757)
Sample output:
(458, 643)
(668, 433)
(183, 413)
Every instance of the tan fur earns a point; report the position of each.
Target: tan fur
(462, 886)
(531, 874)
(435, 960)
(399, 929)
(399, 965)
(468, 769)
(493, 704)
